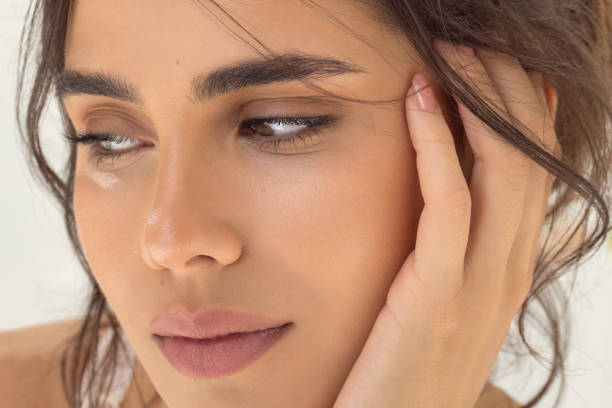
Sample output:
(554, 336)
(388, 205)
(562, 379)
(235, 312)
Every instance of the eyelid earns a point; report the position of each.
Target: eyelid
(124, 122)
(106, 112)
(314, 105)
(116, 121)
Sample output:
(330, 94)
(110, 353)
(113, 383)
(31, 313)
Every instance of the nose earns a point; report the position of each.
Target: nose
(186, 228)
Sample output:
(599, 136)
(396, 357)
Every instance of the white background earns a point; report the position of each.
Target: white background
(41, 280)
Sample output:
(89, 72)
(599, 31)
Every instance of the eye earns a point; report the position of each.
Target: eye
(272, 133)
(106, 146)
(269, 134)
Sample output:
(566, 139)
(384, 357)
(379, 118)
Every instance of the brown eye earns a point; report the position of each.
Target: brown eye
(263, 129)
(282, 131)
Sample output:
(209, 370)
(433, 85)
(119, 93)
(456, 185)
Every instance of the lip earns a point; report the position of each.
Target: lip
(209, 322)
(214, 342)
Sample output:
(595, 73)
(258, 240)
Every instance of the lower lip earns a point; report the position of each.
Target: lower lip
(225, 355)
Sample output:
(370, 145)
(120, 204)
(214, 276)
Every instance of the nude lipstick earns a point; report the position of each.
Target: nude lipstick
(214, 342)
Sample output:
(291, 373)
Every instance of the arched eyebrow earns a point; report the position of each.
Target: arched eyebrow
(224, 80)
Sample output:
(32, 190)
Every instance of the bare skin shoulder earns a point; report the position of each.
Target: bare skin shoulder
(494, 397)
(30, 364)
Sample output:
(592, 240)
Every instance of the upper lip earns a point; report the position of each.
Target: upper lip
(209, 322)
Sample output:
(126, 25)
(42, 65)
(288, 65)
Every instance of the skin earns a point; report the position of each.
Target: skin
(446, 315)
(324, 239)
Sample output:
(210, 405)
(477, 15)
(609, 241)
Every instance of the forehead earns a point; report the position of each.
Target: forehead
(167, 41)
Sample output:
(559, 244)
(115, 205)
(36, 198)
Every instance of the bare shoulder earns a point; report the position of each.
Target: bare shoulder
(494, 397)
(30, 364)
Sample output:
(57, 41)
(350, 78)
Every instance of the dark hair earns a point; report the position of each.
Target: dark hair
(568, 41)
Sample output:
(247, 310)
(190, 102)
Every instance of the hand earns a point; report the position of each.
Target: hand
(451, 304)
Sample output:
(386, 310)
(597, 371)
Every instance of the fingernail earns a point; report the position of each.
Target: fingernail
(424, 94)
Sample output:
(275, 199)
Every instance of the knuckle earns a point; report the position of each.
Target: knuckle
(458, 203)
(435, 141)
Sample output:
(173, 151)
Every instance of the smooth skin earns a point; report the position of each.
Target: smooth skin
(30, 360)
(449, 309)
(324, 236)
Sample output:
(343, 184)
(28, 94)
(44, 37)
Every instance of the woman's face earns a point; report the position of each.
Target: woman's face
(201, 210)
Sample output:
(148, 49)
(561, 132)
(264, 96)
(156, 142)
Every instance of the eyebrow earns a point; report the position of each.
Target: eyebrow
(224, 80)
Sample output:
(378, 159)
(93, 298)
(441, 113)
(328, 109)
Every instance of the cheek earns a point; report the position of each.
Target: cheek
(358, 216)
(343, 237)
(348, 231)
(108, 216)
(106, 212)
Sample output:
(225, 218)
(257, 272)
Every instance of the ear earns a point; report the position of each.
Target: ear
(552, 99)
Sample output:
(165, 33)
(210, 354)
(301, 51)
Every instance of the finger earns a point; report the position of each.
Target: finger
(523, 96)
(549, 99)
(516, 89)
(523, 254)
(498, 181)
(444, 222)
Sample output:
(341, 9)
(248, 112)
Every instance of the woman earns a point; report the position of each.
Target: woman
(289, 203)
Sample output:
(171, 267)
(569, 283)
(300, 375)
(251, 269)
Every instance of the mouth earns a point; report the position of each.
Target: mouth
(220, 355)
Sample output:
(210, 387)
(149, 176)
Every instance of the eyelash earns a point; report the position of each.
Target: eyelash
(314, 126)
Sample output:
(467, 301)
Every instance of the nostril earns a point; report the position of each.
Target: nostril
(200, 259)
